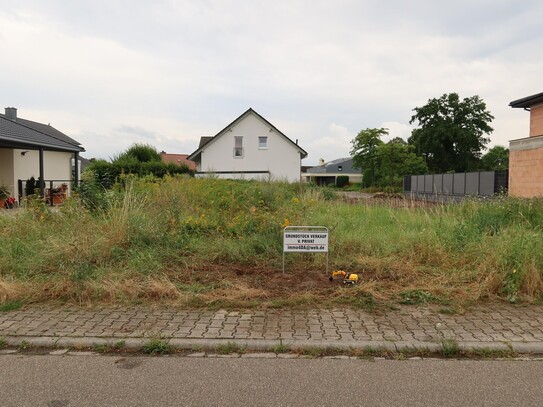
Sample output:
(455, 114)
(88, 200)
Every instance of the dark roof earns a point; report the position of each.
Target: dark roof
(204, 140)
(21, 133)
(333, 167)
(247, 112)
(528, 101)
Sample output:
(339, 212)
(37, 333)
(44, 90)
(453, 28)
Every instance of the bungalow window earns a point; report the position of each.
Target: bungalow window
(238, 146)
(262, 142)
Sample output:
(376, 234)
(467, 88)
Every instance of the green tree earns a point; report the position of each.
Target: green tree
(396, 159)
(364, 153)
(451, 132)
(497, 158)
(384, 164)
(138, 153)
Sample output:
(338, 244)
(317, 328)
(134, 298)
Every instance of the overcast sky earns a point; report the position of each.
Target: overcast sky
(112, 73)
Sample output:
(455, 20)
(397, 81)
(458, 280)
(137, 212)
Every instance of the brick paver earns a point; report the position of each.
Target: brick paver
(483, 324)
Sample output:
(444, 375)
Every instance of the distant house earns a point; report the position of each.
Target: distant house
(526, 154)
(249, 148)
(30, 149)
(327, 173)
(178, 159)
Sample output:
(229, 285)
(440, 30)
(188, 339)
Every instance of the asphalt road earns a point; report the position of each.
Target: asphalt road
(61, 381)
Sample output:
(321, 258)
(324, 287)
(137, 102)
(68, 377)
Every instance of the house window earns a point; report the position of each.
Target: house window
(238, 146)
(339, 168)
(262, 142)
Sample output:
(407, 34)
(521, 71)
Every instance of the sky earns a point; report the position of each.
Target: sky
(117, 72)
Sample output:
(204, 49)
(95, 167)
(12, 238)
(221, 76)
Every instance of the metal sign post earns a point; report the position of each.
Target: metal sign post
(305, 239)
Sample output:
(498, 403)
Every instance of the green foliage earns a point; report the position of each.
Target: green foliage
(364, 153)
(229, 348)
(342, 180)
(138, 153)
(156, 346)
(3, 343)
(497, 158)
(31, 186)
(4, 192)
(11, 306)
(451, 132)
(384, 165)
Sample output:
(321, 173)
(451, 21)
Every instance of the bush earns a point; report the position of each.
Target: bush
(342, 180)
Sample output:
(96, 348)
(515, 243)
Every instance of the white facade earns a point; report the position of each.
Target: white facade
(250, 148)
(16, 164)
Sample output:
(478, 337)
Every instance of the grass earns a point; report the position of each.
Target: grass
(229, 348)
(3, 343)
(10, 306)
(156, 346)
(109, 348)
(210, 243)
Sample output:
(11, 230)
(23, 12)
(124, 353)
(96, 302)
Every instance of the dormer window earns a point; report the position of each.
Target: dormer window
(340, 168)
(262, 142)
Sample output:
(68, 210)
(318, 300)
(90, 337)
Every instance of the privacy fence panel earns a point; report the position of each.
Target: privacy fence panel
(458, 185)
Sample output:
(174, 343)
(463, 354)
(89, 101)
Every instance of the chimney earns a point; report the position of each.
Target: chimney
(321, 161)
(11, 113)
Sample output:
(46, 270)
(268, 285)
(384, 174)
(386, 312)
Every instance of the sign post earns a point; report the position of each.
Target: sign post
(305, 239)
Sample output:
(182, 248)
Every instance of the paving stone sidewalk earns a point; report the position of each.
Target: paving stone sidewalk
(518, 328)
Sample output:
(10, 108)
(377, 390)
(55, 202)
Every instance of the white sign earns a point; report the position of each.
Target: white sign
(313, 241)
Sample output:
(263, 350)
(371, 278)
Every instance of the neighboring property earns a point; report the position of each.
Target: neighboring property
(526, 154)
(327, 173)
(249, 148)
(30, 149)
(178, 159)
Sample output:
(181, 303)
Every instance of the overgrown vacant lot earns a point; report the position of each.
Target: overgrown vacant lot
(214, 243)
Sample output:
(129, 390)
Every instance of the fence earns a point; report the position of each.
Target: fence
(54, 191)
(456, 186)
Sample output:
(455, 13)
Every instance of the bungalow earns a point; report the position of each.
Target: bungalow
(249, 148)
(526, 154)
(326, 174)
(30, 149)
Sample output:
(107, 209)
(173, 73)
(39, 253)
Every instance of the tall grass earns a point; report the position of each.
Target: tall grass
(155, 240)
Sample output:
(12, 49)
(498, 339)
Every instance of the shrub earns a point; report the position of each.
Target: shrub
(342, 180)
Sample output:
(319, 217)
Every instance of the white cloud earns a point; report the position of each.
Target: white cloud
(179, 70)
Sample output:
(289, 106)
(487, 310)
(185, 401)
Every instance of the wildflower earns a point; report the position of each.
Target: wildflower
(286, 223)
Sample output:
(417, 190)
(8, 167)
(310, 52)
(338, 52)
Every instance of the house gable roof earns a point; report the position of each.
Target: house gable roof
(332, 167)
(21, 133)
(205, 141)
(528, 101)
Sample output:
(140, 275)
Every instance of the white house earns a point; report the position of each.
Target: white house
(30, 149)
(249, 148)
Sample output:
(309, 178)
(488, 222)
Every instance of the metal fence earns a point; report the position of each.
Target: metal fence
(456, 186)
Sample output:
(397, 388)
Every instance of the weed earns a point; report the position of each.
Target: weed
(23, 345)
(156, 346)
(229, 348)
(3, 343)
(197, 348)
(486, 353)
(108, 348)
(11, 306)
(449, 348)
(316, 352)
(280, 349)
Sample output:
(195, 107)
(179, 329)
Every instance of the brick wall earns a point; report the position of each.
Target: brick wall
(536, 121)
(526, 171)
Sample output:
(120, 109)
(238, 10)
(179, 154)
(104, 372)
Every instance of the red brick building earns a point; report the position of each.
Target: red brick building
(526, 154)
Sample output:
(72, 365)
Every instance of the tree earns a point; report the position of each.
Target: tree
(384, 164)
(451, 132)
(497, 158)
(364, 153)
(396, 159)
(138, 153)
